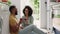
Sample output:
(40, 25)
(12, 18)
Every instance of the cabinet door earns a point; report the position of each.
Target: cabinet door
(0, 25)
(53, 0)
(58, 0)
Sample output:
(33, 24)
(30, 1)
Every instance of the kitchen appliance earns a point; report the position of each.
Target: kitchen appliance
(4, 13)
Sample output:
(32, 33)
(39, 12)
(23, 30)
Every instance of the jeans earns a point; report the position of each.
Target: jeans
(56, 31)
(30, 29)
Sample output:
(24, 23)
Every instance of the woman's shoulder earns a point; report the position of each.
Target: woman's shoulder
(31, 17)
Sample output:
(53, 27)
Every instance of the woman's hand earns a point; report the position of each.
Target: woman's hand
(21, 27)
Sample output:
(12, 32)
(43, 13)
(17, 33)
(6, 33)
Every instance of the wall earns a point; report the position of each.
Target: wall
(43, 14)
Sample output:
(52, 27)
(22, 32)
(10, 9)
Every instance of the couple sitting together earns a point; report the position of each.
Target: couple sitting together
(26, 21)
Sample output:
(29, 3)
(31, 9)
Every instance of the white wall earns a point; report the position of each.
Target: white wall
(49, 17)
(43, 14)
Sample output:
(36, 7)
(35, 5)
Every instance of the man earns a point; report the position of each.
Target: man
(13, 24)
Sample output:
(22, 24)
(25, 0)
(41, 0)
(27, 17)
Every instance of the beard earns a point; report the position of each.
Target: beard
(16, 13)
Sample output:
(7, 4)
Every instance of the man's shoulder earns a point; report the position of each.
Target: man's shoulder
(11, 18)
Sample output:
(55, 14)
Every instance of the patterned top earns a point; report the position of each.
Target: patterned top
(30, 21)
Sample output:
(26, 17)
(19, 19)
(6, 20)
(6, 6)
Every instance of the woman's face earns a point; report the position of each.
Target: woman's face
(26, 11)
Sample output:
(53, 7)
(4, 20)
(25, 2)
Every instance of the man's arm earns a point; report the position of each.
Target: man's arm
(20, 23)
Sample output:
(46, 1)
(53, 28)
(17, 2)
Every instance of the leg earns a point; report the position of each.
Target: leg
(26, 30)
(38, 31)
(31, 28)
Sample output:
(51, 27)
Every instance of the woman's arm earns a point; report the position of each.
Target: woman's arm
(31, 20)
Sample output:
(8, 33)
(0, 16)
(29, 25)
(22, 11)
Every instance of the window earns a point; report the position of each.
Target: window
(35, 4)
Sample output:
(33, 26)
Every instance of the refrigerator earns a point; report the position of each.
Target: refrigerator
(4, 19)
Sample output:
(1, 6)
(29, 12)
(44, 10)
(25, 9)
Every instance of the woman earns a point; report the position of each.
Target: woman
(27, 18)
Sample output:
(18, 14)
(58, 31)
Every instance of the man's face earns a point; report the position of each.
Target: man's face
(15, 11)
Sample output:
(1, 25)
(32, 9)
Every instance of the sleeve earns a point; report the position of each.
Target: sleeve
(31, 20)
(13, 25)
(12, 22)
